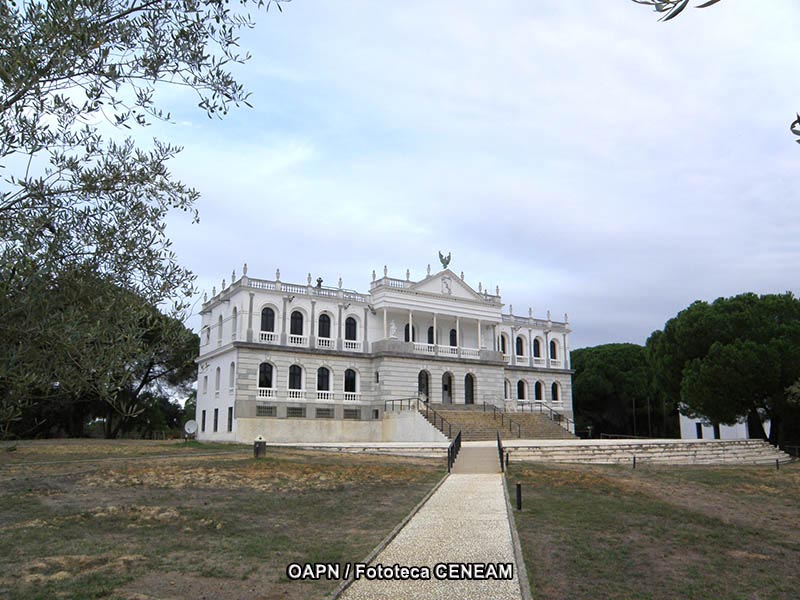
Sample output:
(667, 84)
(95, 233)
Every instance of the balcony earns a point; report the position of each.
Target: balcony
(352, 345)
(267, 337)
(522, 360)
(325, 343)
(424, 348)
(352, 396)
(448, 350)
(556, 364)
(324, 395)
(267, 392)
(296, 394)
(298, 340)
(470, 353)
(538, 362)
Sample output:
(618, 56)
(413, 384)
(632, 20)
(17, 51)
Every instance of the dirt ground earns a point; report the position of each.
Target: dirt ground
(90, 519)
(660, 532)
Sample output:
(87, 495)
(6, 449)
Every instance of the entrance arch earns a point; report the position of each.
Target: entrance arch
(447, 388)
(469, 389)
(423, 385)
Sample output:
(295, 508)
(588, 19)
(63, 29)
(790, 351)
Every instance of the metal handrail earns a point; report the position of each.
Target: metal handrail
(452, 451)
(553, 415)
(411, 402)
(511, 423)
(500, 453)
(442, 421)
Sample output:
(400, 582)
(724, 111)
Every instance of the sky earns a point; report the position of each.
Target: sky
(582, 155)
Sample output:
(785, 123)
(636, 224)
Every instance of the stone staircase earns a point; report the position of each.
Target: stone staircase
(691, 452)
(477, 425)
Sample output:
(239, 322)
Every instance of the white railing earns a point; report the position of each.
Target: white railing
(352, 396)
(324, 395)
(352, 345)
(538, 362)
(555, 363)
(424, 348)
(298, 340)
(267, 392)
(324, 343)
(296, 394)
(261, 284)
(522, 360)
(470, 353)
(268, 337)
(452, 350)
(294, 289)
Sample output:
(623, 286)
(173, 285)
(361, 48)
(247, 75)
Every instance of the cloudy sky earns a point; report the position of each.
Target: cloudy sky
(581, 155)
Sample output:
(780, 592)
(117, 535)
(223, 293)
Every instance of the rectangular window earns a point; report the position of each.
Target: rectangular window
(699, 430)
(216, 419)
(296, 412)
(203, 422)
(324, 413)
(376, 414)
(205, 384)
(352, 414)
(266, 411)
(377, 377)
(716, 431)
(230, 418)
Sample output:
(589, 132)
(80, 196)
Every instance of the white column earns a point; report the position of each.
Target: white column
(435, 331)
(385, 330)
(530, 347)
(479, 334)
(410, 326)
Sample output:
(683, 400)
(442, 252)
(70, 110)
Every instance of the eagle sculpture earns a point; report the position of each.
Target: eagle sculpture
(445, 261)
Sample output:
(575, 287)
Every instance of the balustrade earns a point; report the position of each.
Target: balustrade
(296, 394)
(352, 345)
(266, 392)
(352, 396)
(268, 337)
(324, 395)
(298, 340)
(324, 343)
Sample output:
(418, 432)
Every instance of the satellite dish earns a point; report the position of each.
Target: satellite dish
(190, 427)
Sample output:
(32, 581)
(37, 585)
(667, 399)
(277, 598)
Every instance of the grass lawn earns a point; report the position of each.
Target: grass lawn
(187, 526)
(590, 532)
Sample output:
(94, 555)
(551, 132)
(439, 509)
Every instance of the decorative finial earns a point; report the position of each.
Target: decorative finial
(530, 312)
(385, 271)
(548, 315)
(277, 274)
(244, 269)
(462, 275)
(233, 276)
(443, 260)
(408, 274)
(511, 309)
(205, 296)
(373, 274)
(566, 318)
(309, 279)
(213, 291)
(340, 281)
(223, 285)
(429, 269)
(480, 287)
(497, 291)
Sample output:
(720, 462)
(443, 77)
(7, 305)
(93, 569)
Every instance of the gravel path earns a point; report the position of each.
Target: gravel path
(465, 521)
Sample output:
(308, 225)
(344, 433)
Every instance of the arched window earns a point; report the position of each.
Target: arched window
(268, 320)
(297, 324)
(323, 379)
(520, 390)
(295, 377)
(537, 348)
(537, 390)
(553, 350)
(503, 346)
(350, 380)
(469, 389)
(554, 392)
(350, 329)
(216, 381)
(234, 320)
(265, 375)
(423, 385)
(431, 335)
(219, 328)
(507, 389)
(520, 346)
(232, 375)
(324, 326)
(453, 338)
(413, 337)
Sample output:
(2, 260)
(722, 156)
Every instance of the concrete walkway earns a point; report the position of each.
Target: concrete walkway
(465, 521)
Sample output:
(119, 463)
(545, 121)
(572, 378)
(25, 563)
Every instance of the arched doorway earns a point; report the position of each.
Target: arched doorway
(447, 388)
(469, 389)
(423, 385)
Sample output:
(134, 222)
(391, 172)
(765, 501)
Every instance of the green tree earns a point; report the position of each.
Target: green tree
(77, 207)
(731, 359)
(612, 392)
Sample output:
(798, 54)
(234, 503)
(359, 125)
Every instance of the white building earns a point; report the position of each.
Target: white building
(698, 429)
(314, 363)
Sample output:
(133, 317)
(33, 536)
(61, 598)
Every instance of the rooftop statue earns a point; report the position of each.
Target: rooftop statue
(445, 261)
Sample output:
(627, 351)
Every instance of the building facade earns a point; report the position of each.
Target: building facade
(293, 362)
